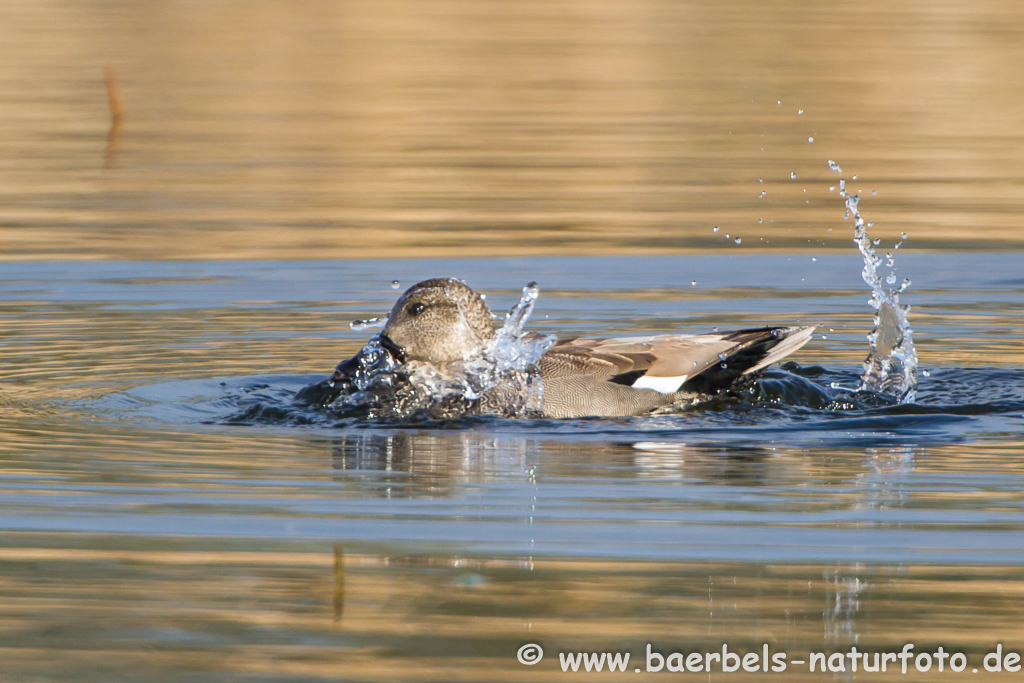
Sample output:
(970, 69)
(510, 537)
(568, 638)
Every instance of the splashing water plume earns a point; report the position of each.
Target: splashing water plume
(891, 365)
(368, 324)
(511, 352)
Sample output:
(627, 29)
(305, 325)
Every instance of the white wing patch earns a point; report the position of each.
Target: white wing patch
(664, 385)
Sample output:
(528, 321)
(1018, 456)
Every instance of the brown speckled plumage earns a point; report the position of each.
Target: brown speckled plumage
(440, 321)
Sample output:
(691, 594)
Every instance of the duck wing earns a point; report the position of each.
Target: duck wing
(675, 362)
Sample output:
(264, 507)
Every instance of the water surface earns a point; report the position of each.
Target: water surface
(165, 513)
(168, 516)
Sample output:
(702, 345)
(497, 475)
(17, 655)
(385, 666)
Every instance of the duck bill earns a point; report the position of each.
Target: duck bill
(396, 352)
(346, 370)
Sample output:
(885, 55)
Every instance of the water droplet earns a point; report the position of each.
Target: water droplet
(693, 283)
(694, 363)
(760, 221)
(876, 241)
(724, 366)
(792, 175)
(738, 240)
(367, 324)
(871, 224)
(799, 112)
(810, 140)
(760, 180)
(874, 192)
(926, 373)
(714, 329)
(726, 235)
(903, 235)
(824, 336)
(854, 177)
(834, 166)
(779, 102)
(715, 229)
(395, 284)
(890, 279)
(814, 258)
(831, 188)
(846, 216)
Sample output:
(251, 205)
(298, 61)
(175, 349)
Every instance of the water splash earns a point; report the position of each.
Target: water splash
(502, 378)
(891, 365)
(520, 313)
(368, 324)
(511, 349)
(374, 367)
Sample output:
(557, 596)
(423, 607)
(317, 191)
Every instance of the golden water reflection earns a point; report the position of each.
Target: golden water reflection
(77, 608)
(396, 128)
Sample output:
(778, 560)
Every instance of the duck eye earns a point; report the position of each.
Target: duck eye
(415, 309)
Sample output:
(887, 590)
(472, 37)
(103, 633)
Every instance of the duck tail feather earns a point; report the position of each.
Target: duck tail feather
(793, 339)
(759, 349)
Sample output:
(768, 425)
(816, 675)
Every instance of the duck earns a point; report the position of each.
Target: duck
(442, 321)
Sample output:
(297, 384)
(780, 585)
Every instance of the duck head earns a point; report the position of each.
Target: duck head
(438, 321)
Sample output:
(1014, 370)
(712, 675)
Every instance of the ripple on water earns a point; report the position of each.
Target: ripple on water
(793, 404)
(161, 491)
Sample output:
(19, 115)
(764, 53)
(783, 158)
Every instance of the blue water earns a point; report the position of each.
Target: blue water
(148, 434)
